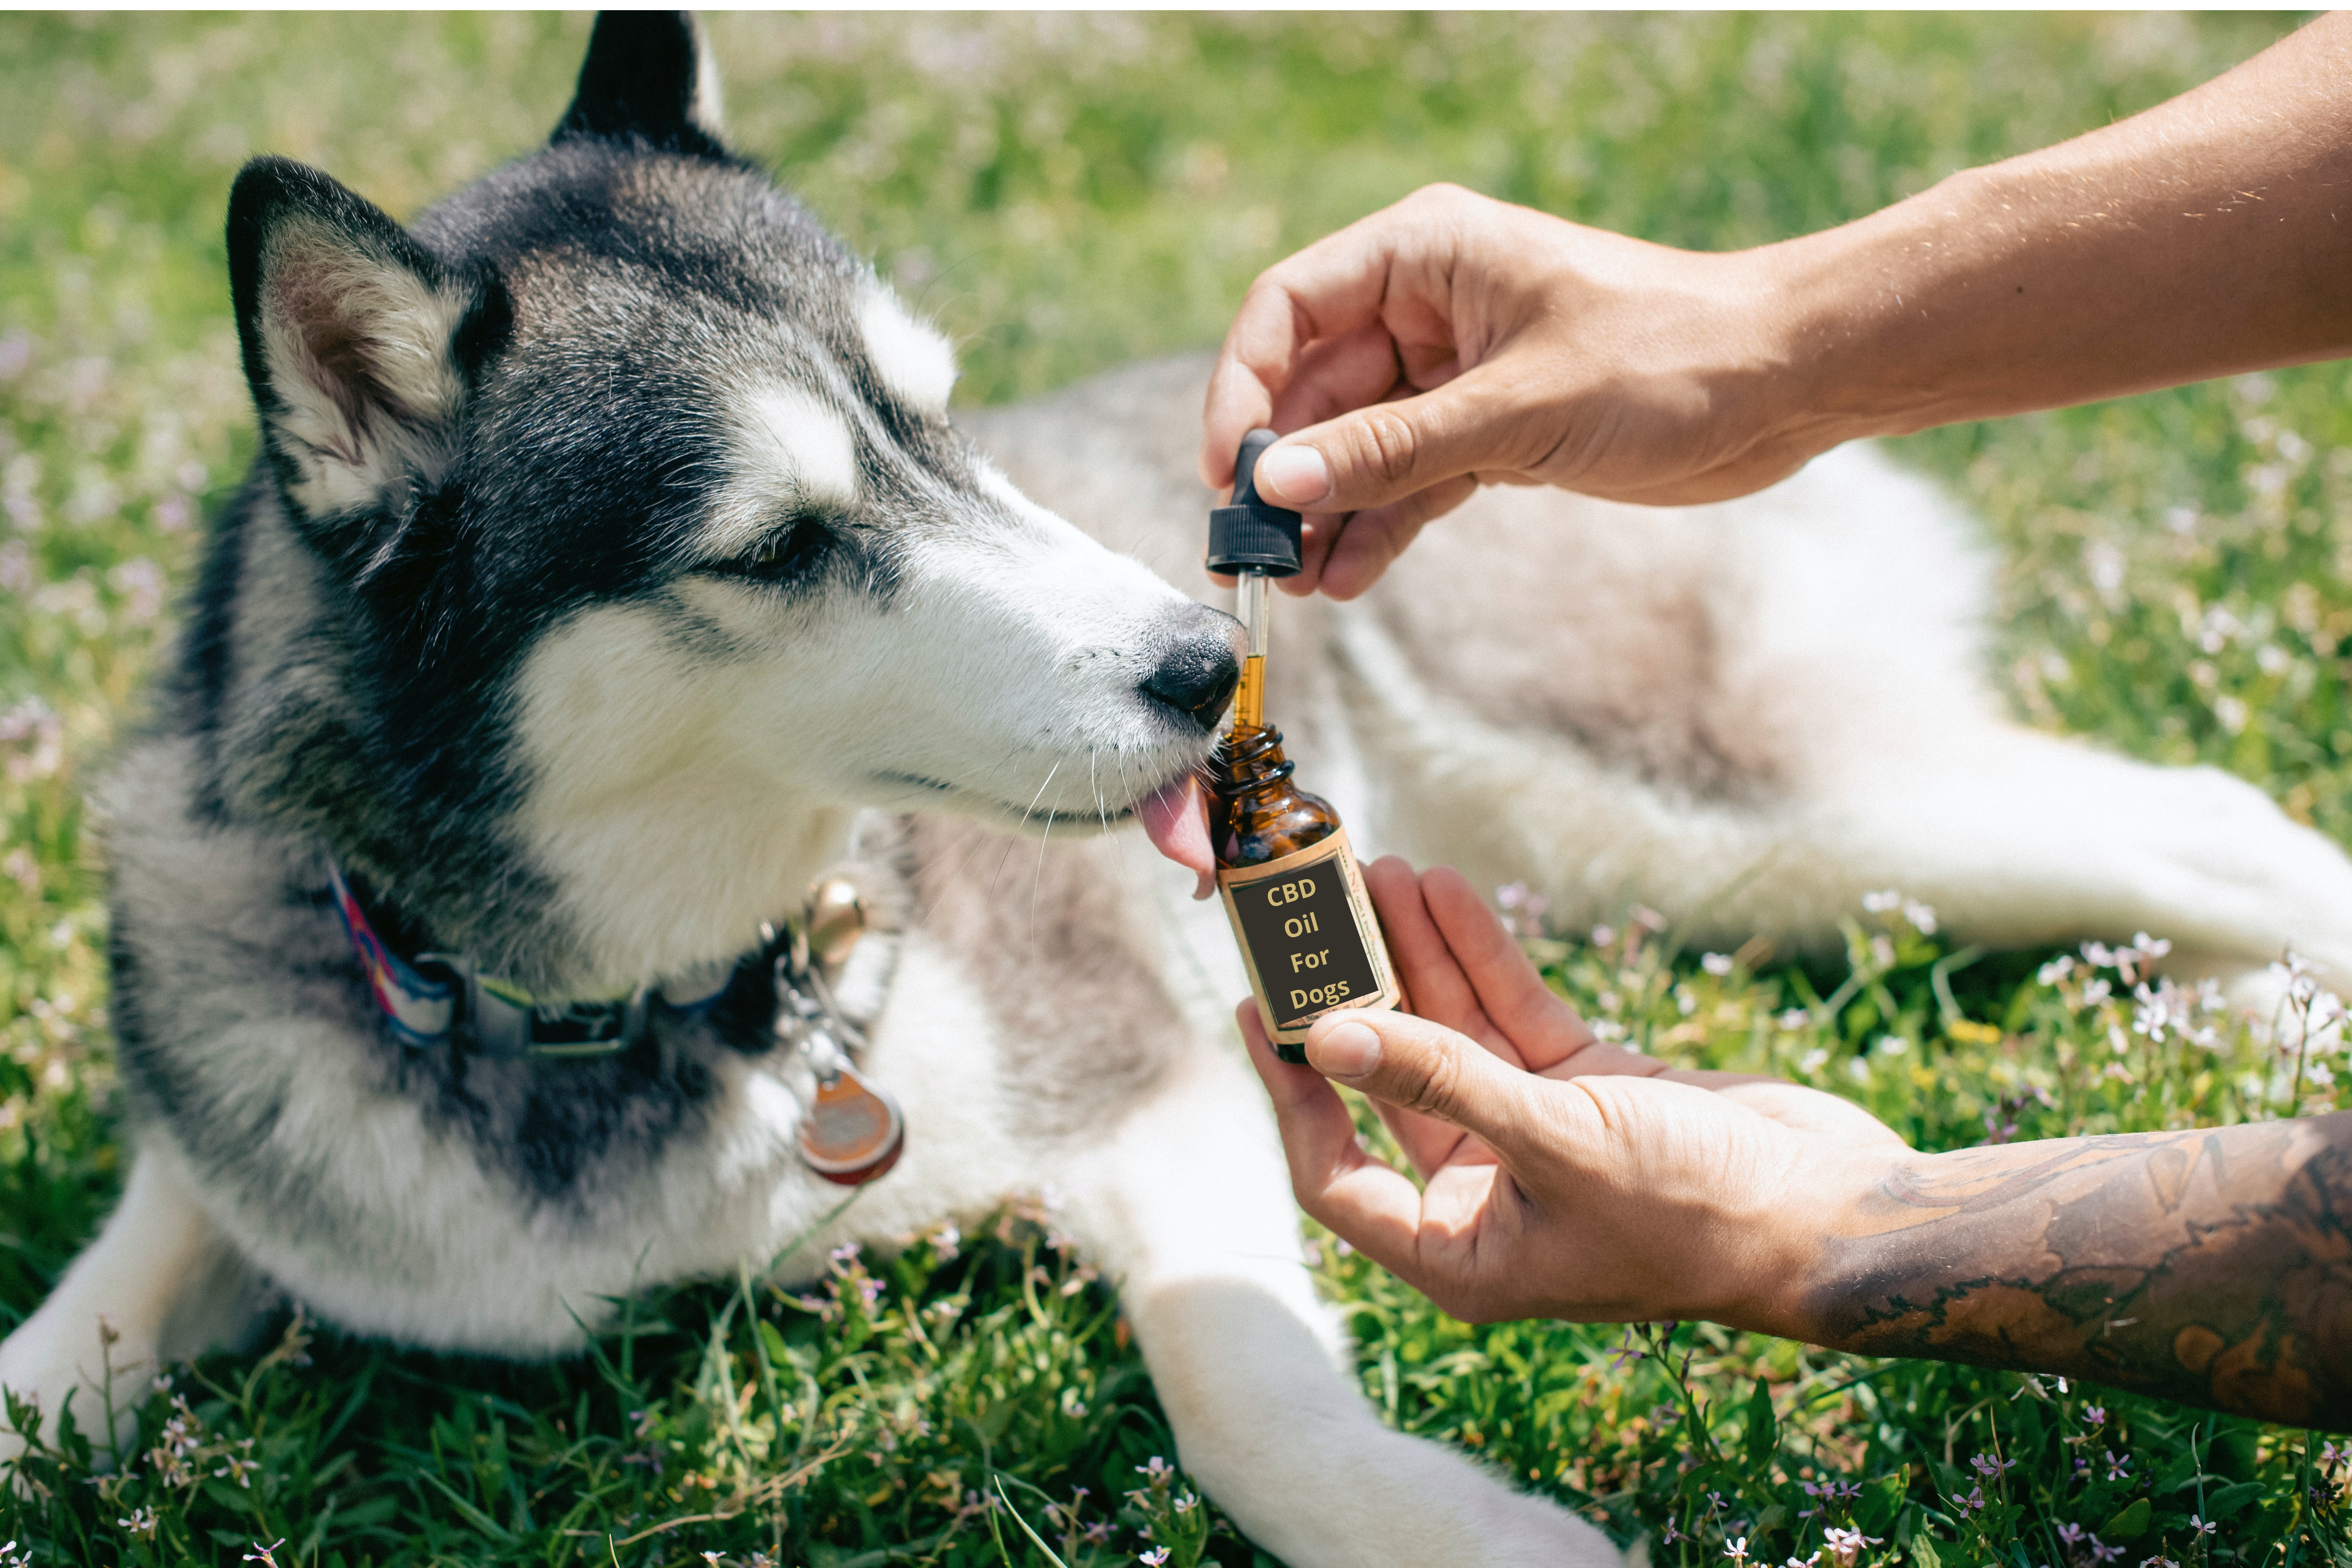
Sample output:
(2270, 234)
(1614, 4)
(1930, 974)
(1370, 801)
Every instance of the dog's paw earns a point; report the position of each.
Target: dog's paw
(50, 1366)
(1402, 1502)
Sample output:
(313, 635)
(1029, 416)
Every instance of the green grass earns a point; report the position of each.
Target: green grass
(1065, 194)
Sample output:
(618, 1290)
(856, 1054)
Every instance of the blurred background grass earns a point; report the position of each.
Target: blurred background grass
(1065, 193)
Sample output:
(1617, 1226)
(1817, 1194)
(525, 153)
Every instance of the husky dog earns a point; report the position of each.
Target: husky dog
(611, 570)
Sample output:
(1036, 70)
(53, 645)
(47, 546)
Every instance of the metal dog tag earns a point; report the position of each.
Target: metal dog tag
(852, 1131)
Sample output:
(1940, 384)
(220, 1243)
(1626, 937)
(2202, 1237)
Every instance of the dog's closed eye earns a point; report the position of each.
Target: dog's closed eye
(783, 558)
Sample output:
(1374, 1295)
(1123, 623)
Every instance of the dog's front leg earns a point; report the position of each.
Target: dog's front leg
(1189, 1205)
(160, 1280)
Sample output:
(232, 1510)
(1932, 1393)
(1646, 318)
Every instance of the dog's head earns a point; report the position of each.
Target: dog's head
(656, 547)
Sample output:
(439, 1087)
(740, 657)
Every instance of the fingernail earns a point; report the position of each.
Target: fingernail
(1296, 475)
(1346, 1050)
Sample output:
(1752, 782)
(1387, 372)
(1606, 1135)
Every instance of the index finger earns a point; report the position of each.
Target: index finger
(1334, 286)
(1425, 960)
(1545, 1030)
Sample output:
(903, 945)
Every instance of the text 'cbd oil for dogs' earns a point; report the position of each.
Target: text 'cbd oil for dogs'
(1291, 885)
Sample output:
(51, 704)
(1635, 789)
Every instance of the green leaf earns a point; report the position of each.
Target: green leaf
(235, 1499)
(1924, 1553)
(1880, 1499)
(1702, 1480)
(1762, 1433)
(467, 1512)
(2229, 1499)
(2129, 1523)
(375, 1510)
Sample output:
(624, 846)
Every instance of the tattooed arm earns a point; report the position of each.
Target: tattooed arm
(1566, 1179)
(2213, 1268)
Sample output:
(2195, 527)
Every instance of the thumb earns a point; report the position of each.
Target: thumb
(1415, 1064)
(1387, 451)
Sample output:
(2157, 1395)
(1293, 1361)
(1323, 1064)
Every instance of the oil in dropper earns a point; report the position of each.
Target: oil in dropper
(1290, 883)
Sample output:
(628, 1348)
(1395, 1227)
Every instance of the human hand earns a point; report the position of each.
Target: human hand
(1565, 1178)
(1450, 340)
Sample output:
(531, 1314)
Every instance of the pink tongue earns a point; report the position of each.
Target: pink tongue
(1176, 820)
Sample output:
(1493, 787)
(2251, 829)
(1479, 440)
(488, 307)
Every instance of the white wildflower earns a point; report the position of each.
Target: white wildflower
(1845, 1545)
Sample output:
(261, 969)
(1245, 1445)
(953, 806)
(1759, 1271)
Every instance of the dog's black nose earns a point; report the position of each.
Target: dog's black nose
(1199, 663)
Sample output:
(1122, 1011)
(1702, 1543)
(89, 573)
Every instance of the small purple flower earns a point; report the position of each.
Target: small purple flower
(1153, 1558)
(2094, 1415)
(2118, 1469)
(2071, 1534)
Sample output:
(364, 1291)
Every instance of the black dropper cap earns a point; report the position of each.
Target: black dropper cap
(1250, 534)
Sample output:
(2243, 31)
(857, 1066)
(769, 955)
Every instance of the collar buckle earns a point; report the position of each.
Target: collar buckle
(506, 1024)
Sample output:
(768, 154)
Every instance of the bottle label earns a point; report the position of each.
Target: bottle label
(1309, 938)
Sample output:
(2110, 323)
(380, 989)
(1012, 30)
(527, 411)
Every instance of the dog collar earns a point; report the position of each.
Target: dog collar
(426, 1000)
(851, 1129)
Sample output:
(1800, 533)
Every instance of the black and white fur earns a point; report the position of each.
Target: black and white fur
(612, 568)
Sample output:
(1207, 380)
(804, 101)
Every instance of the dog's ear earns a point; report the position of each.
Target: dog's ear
(649, 76)
(358, 344)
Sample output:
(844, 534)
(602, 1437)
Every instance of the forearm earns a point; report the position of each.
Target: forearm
(2213, 1268)
(2200, 238)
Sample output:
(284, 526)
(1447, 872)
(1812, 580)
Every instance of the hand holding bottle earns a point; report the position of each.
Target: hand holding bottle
(1564, 1177)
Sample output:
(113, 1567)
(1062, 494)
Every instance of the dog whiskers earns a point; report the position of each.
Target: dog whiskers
(1024, 823)
(1037, 881)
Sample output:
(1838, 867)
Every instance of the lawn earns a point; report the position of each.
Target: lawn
(1065, 194)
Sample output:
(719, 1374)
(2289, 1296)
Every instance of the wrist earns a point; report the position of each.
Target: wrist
(1795, 1290)
(1844, 299)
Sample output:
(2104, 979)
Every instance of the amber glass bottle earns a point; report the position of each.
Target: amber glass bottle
(1290, 882)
